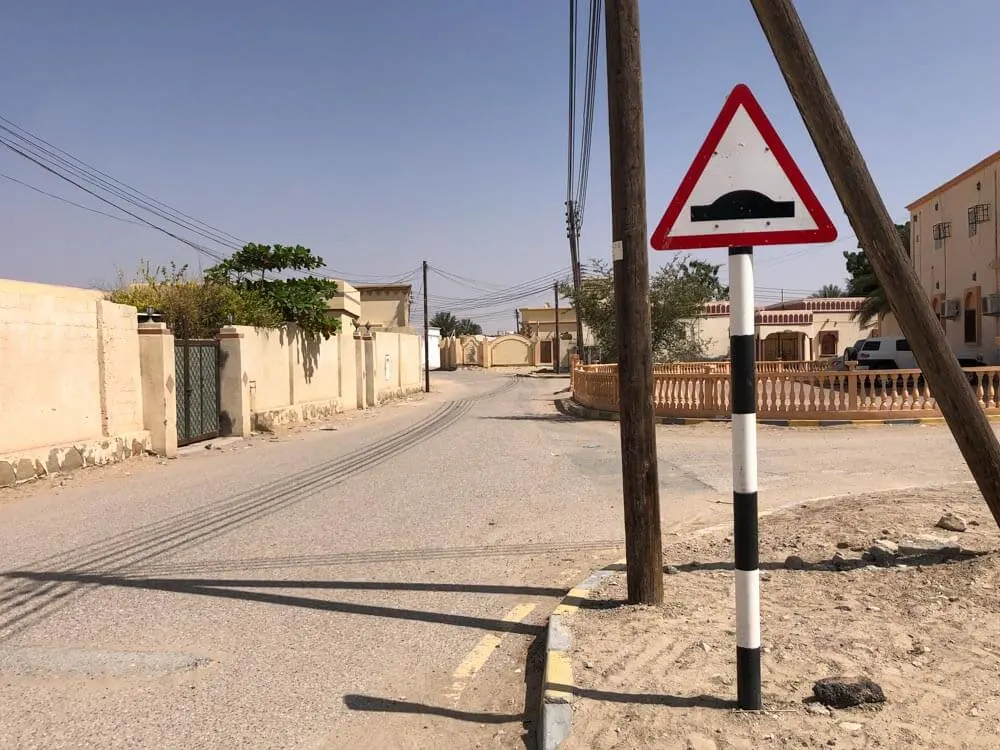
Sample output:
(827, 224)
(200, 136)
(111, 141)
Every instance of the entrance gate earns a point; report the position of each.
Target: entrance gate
(196, 370)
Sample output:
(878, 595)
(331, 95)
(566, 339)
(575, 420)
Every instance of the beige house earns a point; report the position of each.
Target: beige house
(956, 253)
(385, 306)
(540, 324)
(798, 329)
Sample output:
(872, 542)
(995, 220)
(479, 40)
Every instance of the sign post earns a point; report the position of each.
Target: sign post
(743, 189)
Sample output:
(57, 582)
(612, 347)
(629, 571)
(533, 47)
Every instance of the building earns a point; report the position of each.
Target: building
(798, 329)
(385, 306)
(539, 324)
(956, 254)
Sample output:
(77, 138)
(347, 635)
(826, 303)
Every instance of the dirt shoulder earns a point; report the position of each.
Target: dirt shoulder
(926, 627)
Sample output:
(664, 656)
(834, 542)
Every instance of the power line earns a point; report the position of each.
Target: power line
(76, 171)
(68, 201)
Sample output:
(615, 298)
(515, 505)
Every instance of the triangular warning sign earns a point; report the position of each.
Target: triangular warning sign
(743, 188)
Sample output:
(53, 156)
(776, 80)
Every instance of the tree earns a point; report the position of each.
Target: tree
(864, 283)
(829, 290)
(707, 275)
(191, 308)
(678, 292)
(452, 326)
(301, 300)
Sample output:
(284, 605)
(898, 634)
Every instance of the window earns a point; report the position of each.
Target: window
(828, 345)
(978, 214)
(871, 345)
(902, 345)
(941, 232)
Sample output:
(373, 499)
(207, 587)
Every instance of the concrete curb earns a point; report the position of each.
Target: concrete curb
(557, 678)
(571, 408)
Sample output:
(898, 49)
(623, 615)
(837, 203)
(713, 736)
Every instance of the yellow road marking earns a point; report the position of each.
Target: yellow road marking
(482, 651)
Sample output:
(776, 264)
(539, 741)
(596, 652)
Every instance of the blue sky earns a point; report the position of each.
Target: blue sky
(382, 132)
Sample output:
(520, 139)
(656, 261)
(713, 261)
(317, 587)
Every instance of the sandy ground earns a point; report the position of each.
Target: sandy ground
(663, 677)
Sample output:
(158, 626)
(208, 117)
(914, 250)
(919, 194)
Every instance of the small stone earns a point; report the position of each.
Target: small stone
(952, 522)
(672, 570)
(586, 665)
(850, 726)
(843, 607)
(883, 551)
(794, 562)
(765, 576)
(843, 545)
(818, 709)
(872, 608)
(973, 711)
(842, 694)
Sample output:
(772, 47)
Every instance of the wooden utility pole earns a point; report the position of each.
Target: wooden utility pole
(640, 482)
(427, 338)
(573, 232)
(555, 337)
(877, 233)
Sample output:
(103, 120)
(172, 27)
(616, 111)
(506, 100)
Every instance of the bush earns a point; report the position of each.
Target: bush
(192, 308)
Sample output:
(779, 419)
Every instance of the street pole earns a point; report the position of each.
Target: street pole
(555, 338)
(427, 338)
(743, 387)
(640, 482)
(878, 237)
(573, 232)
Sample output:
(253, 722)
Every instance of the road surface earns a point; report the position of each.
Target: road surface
(383, 585)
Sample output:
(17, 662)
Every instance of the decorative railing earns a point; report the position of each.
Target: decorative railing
(786, 394)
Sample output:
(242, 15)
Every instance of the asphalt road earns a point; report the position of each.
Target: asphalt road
(383, 585)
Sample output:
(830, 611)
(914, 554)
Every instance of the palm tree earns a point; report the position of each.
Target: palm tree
(876, 304)
(829, 290)
(446, 321)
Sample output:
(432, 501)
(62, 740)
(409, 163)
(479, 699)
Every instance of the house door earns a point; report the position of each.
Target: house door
(196, 370)
(545, 354)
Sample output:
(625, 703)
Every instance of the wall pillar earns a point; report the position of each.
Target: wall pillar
(159, 387)
(371, 372)
(359, 372)
(235, 409)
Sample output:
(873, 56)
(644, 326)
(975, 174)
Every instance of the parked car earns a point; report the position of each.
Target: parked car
(894, 353)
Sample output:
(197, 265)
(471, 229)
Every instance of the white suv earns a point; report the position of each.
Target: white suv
(894, 353)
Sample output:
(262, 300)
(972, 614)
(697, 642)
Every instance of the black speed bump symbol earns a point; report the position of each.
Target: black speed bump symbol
(743, 204)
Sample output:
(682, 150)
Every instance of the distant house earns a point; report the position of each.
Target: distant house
(798, 329)
(539, 324)
(385, 306)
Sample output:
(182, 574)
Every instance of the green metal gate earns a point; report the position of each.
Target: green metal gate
(196, 370)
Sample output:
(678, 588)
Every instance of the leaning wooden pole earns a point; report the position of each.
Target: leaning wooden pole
(877, 233)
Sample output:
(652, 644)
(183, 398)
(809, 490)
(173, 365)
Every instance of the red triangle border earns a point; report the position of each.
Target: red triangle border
(741, 96)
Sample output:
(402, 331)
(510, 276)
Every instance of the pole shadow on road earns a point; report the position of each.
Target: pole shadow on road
(222, 588)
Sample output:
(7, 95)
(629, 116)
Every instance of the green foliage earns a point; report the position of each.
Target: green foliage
(829, 290)
(191, 308)
(301, 300)
(678, 292)
(453, 326)
(707, 275)
(862, 281)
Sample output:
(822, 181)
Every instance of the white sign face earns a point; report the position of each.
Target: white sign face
(743, 179)
(743, 188)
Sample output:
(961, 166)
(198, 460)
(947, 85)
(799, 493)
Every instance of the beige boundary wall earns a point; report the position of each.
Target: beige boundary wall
(273, 377)
(70, 385)
(83, 383)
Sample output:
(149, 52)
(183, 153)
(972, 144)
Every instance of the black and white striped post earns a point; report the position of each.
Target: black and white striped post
(743, 384)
